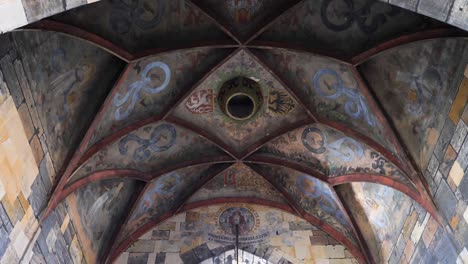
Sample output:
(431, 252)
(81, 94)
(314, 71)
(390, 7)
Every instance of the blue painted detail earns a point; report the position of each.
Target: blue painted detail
(342, 149)
(163, 187)
(148, 146)
(313, 189)
(135, 88)
(317, 144)
(346, 149)
(167, 184)
(355, 105)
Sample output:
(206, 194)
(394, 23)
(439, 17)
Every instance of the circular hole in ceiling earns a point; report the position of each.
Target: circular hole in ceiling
(240, 98)
(240, 106)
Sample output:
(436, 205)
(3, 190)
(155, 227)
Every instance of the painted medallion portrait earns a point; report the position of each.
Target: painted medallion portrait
(237, 216)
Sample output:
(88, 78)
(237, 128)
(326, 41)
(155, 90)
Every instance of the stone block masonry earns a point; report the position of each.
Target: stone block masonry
(424, 241)
(26, 178)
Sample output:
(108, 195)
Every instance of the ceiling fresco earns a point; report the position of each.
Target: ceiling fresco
(205, 232)
(151, 148)
(388, 209)
(343, 28)
(165, 193)
(153, 84)
(417, 95)
(157, 108)
(238, 181)
(313, 196)
(144, 25)
(244, 17)
(330, 89)
(330, 153)
(95, 207)
(69, 87)
(279, 110)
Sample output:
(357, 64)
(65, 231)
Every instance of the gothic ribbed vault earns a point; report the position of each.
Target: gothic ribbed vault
(128, 97)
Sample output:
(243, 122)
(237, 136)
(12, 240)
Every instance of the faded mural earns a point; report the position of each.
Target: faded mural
(175, 95)
(95, 209)
(238, 181)
(206, 234)
(344, 28)
(244, 17)
(312, 195)
(140, 25)
(415, 85)
(151, 148)
(64, 87)
(166, 193)
(278, 110)
(331, 153)
(330, 90)
(152, 85)
(379, 211)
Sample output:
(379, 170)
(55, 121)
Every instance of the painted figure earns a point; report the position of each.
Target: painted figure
(100, 209)
(239, 216)
(236, 219)
(243, 10)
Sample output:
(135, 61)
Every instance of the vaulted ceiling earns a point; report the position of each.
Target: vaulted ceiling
(128, 94)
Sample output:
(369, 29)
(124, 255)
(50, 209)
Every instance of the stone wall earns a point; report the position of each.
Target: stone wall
(17, 13)
(185, 238)
(413, 235)
(27, 176)
(453, 12)
(421, 240)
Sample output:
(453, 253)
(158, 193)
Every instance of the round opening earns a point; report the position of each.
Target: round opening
(240, 106)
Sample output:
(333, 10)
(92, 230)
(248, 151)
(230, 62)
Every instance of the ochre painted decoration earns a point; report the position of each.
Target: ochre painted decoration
(280, 102)
(238, 181)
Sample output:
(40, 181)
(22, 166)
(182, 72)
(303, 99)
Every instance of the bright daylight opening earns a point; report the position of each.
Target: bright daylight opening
(228, 257)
